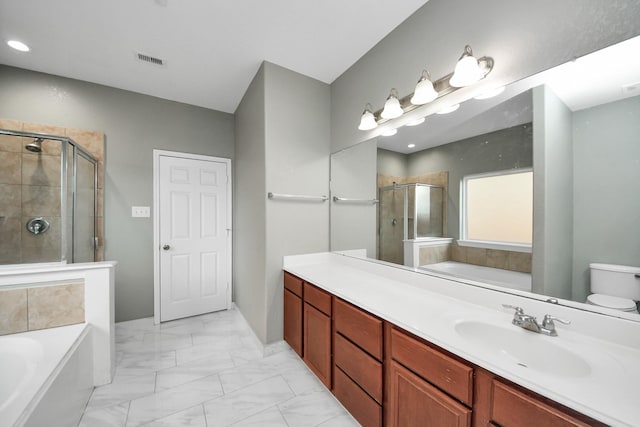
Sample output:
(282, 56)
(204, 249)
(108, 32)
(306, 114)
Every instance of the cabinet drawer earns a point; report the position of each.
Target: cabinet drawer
(362, 368)
(443, 371)
(360, 327)
(359, 404)
(317, 298)
(293, 283)
(510, 407)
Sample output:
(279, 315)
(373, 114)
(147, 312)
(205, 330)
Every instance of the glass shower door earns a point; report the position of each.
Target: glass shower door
(84, 210)
(392, 217)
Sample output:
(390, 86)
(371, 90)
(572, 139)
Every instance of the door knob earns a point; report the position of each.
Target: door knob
(166, 247)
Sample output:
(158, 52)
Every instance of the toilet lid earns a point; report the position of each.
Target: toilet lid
(609, 301)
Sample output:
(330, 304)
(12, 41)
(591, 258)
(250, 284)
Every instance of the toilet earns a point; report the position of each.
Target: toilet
(615, 286)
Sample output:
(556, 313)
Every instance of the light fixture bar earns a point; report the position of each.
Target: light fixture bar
(441, 86)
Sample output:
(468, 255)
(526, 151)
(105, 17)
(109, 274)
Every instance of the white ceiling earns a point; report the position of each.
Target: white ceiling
(212, 48)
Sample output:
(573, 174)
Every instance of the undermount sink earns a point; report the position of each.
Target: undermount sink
(524, 348)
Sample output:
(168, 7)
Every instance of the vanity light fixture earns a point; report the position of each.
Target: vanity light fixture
(389, 132)
(411, 146)
(392, 108)
(449, 109)
(18, 45)
(490, 93)
(368, 120)
(416, 122)
(467, 70)
(424, 92)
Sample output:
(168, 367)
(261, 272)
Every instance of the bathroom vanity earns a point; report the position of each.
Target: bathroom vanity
(401, 348)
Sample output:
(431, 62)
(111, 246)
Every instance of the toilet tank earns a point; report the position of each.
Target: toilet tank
(616, 280)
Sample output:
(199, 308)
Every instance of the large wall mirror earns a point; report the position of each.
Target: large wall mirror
(525, 192)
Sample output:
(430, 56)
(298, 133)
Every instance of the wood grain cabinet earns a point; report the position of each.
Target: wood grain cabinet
(425, 385)
(317, 332)
(508, 405)
(384, 375)
(358, 369)
(293, 312)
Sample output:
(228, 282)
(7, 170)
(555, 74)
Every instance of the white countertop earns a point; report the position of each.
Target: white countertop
(605, 385)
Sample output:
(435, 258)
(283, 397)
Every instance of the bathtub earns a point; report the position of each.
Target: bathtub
(494, 276)
(46, 376)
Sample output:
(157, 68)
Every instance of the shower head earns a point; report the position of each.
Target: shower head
(35, 146)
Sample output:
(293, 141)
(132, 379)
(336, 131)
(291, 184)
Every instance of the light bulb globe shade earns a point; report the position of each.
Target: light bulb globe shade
(466, 73)
(367, 121)
(424, 92)
(389, 132)
(392, 108)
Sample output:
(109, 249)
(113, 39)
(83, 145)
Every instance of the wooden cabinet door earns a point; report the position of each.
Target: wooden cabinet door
(317, 343)
(415, 402)
(293, 321)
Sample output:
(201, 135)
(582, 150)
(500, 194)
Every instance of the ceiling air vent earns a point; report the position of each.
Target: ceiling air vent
(151, 59)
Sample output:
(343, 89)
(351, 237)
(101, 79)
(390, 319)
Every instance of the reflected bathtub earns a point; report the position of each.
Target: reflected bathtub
(46, 376)
(494, 276)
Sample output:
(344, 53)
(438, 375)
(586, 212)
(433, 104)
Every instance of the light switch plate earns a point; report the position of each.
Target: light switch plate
(140, 211)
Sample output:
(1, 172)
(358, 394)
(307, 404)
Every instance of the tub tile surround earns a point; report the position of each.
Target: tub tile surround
(430, 306)
(41, 307)
(97, 298)
(30, 186)
(208, 371)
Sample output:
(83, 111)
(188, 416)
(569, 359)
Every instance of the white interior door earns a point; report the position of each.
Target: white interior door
(194, 248)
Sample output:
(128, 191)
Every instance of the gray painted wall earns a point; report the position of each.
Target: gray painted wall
(552, 195)
(501, 150)
(523, 37)
(392, 163)
(134, 125)
(606, 176)
(249, 229)
(282, 146)
(353, 176)
(297, 162)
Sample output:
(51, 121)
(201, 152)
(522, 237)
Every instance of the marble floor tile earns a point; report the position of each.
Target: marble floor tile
(208, 371)
(192, 417)
(199, 351)
(122, 388)
(246, 402)
(147, 360)
(311, 409)
(110, 416)
(345, 420)
(167, 402)
(167, 378)
(271, 417)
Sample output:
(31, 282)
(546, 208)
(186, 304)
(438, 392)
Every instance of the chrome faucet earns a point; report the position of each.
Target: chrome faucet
(530, 323)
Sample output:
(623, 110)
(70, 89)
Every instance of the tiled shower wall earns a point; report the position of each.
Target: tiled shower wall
(41, 307)
(30, 187)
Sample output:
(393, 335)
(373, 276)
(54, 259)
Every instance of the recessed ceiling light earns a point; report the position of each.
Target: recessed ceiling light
(389, 132)
(449, 109)
(411, 146)
(18, 45)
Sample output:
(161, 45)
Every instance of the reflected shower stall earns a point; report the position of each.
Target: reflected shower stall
(48, 203)
(408, 212)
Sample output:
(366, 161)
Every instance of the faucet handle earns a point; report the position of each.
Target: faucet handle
(518, 310)
(547, 322)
